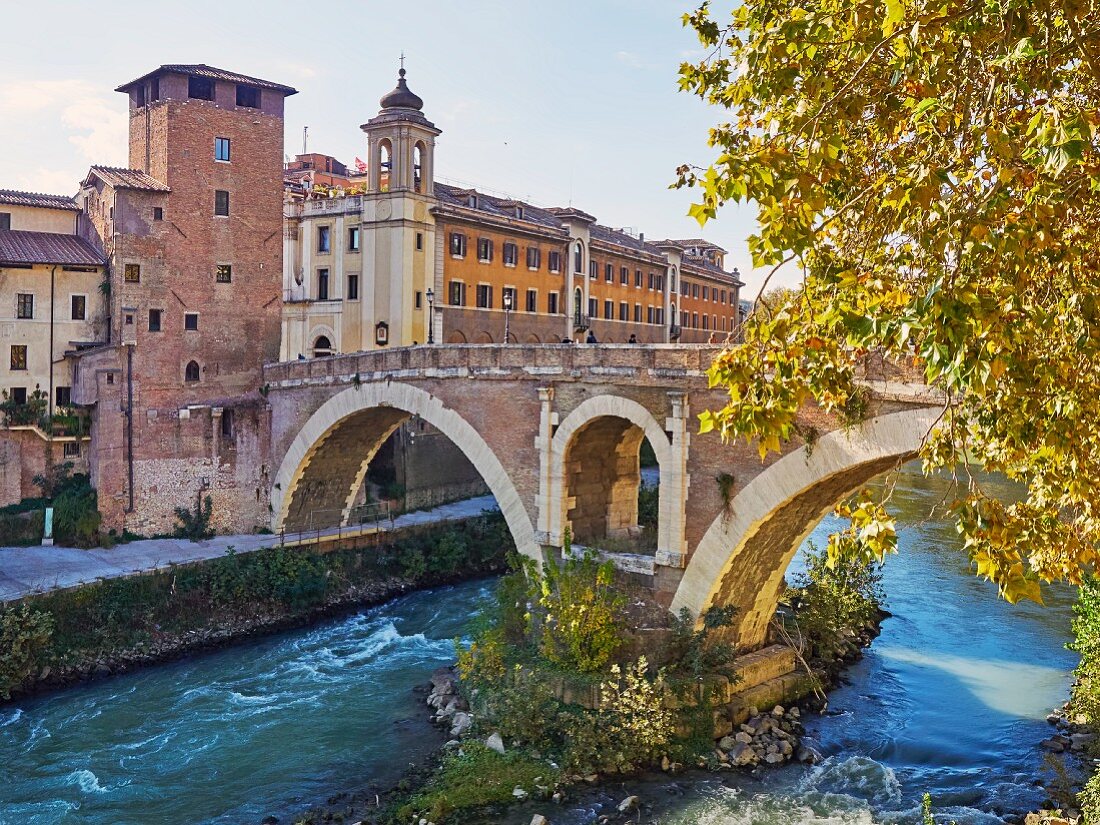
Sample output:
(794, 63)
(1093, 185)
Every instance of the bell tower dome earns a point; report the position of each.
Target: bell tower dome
(400, 143)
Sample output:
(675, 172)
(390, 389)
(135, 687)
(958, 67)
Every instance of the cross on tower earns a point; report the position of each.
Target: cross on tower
(402, 60)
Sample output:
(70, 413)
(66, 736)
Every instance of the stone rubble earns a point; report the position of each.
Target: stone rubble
(771, 738)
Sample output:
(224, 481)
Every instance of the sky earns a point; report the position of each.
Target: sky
(556, 103)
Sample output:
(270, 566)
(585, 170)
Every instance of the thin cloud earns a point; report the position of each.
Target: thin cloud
(632, 60)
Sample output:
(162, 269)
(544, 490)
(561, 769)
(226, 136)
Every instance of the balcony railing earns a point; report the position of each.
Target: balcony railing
(580, 322)
(674, 332)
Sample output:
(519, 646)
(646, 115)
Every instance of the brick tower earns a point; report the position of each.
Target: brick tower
(193, 234)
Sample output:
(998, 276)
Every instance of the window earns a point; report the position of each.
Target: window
(221, 149)
(353, 287)
(158, 213)
(510, 254)
(649, 315)
(695, 290)
(324, 239)
(71, 449)
(650, 281)
(638, 278)
(131, 273)
(624, 276)
(593, 308)
(191, 321)
(248, 97)
(63, 396)
(554, 261)
(5, 221)
(552, 303)
(419, 241)
(322, 284)
(508, 298)
(660, 313)
(154, 320)
(484, 296)
(706, 321)
(534, 257)
(353, 239)
(637, 313)
(456, 296)
(224, 273)
(227, 423)
(695, 320)
(609, 273)
(532, 300)
(593, 270)
(685, 288)
(19, 357)
(191, 372)
(484, 249)
(221, 202)
(79, 307)
(322, 347)
(24, 305)
(200, 88)
(578, 258)
(458, 244)
(19, 395)
(609, 310)
(418, 300)
(624, 311)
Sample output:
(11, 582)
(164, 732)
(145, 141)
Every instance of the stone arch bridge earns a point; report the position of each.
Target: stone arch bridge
(555, 431)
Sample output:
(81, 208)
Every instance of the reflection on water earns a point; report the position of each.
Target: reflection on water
(1013, 688)
(949, 700)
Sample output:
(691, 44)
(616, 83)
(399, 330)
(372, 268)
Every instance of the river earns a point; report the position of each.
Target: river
(950, 699)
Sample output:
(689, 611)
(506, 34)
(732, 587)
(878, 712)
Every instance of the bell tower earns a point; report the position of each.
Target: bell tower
(399, 237)
(401, 143)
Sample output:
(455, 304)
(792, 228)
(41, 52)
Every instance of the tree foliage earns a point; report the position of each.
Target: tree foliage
(931, 166)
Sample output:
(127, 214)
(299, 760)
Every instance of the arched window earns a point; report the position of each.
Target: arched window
(418, 165)
(672, 281)
(672, 314)
(322, 347)
(578, 257)
(578, 306)
(191, 371)
(385, 164)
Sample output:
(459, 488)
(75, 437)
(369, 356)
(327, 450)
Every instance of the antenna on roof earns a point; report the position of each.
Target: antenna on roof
(305, 140)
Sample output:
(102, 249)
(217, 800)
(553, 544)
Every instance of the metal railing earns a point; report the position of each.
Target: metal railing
(328, 524)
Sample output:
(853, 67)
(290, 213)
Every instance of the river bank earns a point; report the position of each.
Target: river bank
(118, 625)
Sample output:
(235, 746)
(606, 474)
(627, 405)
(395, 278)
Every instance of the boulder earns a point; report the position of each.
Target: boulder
(539, 819)
(495, 743)
(1080, 741)
(461, 724)
(743, 737)
(1053, 745)
(628, 804)
(727, 743)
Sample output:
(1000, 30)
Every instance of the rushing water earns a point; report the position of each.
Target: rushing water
(950, 699)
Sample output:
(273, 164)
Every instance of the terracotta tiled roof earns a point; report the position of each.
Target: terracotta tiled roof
(126, 179)
(11, 196)
(202, 70)
(18, 247)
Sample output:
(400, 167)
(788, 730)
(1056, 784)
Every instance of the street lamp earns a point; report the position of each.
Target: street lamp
(507, 311)
(431, 316)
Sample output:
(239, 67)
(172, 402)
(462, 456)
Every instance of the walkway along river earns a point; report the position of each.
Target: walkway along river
(949, 700)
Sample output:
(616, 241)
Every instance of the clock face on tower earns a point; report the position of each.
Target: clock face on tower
(384, 210)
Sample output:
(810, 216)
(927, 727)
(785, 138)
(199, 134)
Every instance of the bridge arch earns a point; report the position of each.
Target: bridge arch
(743, 555)
(602, 436)
(328, 459)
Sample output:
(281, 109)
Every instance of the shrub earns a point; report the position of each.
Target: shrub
(648, 503)
(839, 595)
(24, 642)
(194, 525)
(76, 516)
(695, 652)
(637, 726)
(583, 619)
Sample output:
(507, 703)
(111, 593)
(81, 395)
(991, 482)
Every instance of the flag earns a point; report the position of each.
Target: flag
(360, 166)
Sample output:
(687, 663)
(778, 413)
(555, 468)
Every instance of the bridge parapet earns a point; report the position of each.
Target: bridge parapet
(618, 362)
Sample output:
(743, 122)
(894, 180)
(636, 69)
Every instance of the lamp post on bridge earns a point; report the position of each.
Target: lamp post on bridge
(507, 311)
(431, 316)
